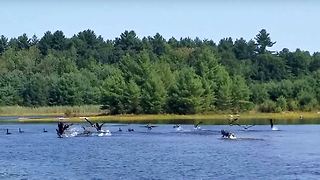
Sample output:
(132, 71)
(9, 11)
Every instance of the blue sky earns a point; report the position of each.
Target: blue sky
(293, 24)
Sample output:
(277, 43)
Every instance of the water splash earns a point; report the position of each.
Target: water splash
(79, 131)
(179, 128)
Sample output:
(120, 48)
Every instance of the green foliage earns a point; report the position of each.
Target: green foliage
(259, 93)
(153, 75)
(185, 96)
(306, 101)
(282, 103)
(68, 90)
(205, 62)
(263, 41)
(136, 67)
(268, 107)
(298, 62)
(23, 60)
(158, 44)
(316, 77)
(223, 89)
(22, 42)
(267, 67)
(128, 43)
(165, 73)
(244, 50)
(3, 44)
(35, 91)
(113, 90)
(293, 105)
(56, 64)
(315, 62)
(132, 98)
(153, 95)
(11, 85)
(240, 94)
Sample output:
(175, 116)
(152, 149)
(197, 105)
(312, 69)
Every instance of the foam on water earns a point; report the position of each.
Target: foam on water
(179, 128)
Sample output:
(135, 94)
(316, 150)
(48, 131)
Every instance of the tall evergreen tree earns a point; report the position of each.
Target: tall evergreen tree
(186, 95)
(263, 41)
(3, 44)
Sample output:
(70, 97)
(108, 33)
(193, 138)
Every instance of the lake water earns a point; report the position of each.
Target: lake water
(161, 153)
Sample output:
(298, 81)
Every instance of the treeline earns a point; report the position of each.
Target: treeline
(154, 75)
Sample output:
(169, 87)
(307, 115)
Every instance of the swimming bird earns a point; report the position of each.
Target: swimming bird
(44, 130)
(20, 131)
(149, 126)
(227, 134)
(176, 126)
(8, 132)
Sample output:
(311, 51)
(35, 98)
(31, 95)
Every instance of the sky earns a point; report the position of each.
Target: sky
(291, 23)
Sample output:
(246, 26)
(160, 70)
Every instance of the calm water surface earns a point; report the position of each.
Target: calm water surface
(162, 153)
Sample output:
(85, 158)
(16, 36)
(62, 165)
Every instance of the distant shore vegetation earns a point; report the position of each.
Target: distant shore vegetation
(77, 114)
(153, 75)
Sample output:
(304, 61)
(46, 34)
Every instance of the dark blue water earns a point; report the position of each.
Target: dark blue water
(162, 153)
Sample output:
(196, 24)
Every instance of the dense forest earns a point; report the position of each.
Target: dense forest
(153, 75)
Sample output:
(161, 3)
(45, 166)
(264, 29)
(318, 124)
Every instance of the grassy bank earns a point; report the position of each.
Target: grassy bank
(77, 114)
(85, 110)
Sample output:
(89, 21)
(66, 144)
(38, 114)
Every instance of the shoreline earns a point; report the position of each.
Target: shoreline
(158, 118)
